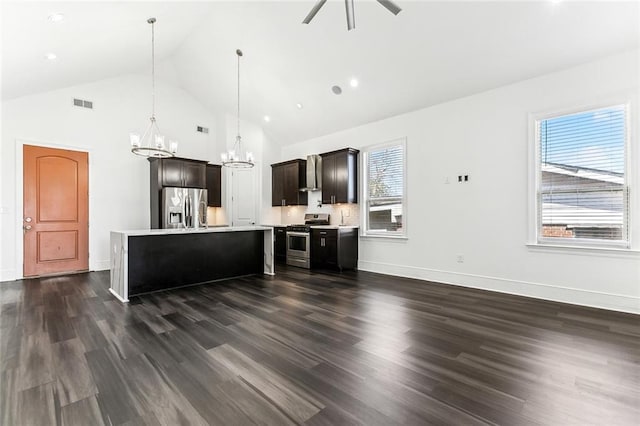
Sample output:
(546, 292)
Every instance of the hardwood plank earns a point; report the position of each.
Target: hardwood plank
(83, 412)
(38, 406)
(74, 380)
(294, 403)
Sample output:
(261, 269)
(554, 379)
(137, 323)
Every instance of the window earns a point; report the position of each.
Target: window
(385, 189)
(582, 186)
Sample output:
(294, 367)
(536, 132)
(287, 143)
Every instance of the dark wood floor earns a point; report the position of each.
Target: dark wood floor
(310, 348)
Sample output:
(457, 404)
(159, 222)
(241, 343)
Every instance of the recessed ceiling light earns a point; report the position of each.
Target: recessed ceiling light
(299, 106)
(353, 82)
(336, 90)
(267, 118)
(51, 56)
(56, 17)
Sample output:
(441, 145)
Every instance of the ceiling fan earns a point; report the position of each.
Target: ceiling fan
(351, 20)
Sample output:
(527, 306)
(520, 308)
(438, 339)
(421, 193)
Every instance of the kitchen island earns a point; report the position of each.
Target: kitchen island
(144, 261)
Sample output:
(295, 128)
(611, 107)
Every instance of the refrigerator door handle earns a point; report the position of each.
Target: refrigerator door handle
(184, 211)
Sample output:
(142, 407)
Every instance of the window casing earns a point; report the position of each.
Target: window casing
(582, 178)
(384, 189)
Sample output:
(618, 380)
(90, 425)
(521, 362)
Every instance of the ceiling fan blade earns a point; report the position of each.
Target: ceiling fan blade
(351, 17)
(313, 11)
(390, 6)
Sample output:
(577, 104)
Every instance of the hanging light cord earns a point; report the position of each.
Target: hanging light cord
(153, 68)
(239, 53)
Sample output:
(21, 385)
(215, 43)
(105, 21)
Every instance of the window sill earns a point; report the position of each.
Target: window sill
(384, 237)
(584, 250)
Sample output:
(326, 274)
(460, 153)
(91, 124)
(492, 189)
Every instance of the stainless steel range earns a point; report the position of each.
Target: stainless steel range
(299, 239)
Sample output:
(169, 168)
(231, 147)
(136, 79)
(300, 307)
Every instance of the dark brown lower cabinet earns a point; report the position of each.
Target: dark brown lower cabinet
(280, 233)
(334, 248)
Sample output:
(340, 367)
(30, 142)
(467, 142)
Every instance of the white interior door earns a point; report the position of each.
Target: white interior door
(243, 197)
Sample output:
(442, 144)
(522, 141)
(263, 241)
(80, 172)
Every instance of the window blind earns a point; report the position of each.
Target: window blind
(385, 188)
(582, 182)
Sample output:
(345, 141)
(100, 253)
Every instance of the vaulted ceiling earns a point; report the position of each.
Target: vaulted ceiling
(431, 52)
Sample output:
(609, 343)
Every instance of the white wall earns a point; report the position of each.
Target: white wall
(486, 220)
(119, 180)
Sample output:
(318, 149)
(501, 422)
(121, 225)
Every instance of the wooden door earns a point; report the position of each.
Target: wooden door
(55, 213)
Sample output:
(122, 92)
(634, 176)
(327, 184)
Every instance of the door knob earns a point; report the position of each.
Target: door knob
(26, 227)
(28, 219)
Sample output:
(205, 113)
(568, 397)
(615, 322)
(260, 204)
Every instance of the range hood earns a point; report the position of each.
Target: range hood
(314, 173)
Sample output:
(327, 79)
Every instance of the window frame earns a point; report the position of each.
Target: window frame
(365, 231)
(535, 178)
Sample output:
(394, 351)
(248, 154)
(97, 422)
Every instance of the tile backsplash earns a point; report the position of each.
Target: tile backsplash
(340, 214)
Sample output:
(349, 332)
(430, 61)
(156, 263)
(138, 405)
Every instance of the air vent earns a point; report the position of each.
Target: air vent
(203, 129)
(82, 103)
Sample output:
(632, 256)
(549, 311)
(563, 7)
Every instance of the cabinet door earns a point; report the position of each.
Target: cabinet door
(281, 243)
(277, 181)
(318, 252)
(171, 172)
(331, 249)
(328, 178)
(214, 186)
(194, 175)
(341, 177)
(291, 190)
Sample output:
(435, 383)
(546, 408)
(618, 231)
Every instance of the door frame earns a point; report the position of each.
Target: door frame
(20, 143)
(257, 172)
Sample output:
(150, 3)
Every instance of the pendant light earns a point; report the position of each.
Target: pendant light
(235, 158)
(152, 143)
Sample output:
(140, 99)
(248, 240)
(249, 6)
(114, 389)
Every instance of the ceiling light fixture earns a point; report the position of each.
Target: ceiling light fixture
(353, 82)
(234, 158)
(336, 90)
(51, 56)
(151, 144)
(267, 118)
(351, 19)
(56, 17)
(299, 106)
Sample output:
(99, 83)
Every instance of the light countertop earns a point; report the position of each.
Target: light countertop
(334, 226)
(139, 232)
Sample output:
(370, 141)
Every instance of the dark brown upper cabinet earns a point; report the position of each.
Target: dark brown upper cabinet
(180, 172)
(286, 180)
(340, 176)
(214, 185)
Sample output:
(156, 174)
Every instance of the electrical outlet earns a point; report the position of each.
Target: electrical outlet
(460, 258)
(446, 180)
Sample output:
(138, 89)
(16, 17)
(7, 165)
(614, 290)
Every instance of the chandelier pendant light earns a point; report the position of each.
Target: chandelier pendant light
(236, 158)
(152, 143)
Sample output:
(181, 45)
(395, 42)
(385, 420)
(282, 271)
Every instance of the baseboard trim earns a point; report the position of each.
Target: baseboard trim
(100, 265)
(573, 296)
(8, 275)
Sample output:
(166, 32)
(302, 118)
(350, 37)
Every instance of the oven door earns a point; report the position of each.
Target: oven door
(298, 244)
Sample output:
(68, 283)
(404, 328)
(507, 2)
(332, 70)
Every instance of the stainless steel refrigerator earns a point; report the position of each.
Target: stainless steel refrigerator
(184, 208)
